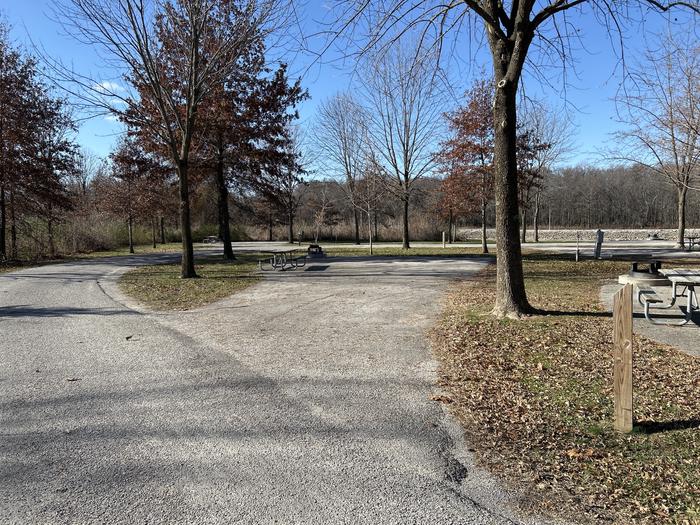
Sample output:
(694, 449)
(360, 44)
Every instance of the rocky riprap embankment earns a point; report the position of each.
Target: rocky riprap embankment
(470, 234)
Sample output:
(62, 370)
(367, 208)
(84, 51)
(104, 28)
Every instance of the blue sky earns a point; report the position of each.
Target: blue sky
(588, 94)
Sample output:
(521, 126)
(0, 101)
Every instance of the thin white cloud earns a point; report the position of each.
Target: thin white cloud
(106, 87)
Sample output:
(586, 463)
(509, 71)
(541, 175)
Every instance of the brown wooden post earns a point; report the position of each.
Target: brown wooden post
(623, 345)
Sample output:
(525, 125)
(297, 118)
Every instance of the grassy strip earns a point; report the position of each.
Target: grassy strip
(535, 398)
(397, 251)
(172, 247)
(12, 266)
(160, 286)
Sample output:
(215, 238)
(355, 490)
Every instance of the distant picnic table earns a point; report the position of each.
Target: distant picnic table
(693, 240)
(281, 260)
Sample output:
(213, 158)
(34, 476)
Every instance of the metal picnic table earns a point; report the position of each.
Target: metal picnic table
(683, 278)
(281, 260)
(693, 240)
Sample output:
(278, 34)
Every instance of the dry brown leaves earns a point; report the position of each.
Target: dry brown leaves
(535, 398)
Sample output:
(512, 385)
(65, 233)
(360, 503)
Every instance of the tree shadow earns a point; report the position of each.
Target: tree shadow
(23, 310)
(572, 313)
(655, 427)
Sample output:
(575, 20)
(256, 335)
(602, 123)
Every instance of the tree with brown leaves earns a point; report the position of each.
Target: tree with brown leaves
(467, 157)
(174, 55)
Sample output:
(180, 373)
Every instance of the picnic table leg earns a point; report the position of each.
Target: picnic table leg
(689, 308)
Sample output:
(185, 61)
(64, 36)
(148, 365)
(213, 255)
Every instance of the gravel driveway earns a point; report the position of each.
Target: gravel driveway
(304, 399)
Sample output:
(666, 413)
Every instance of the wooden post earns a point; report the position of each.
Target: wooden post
(622, 353)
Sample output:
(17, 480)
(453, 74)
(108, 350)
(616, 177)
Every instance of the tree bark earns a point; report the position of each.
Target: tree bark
(187, 264)
(162, 230)
(511, 298)
(369, 229)
(682, 193)
(523, 221)
(484, 244)
(376, 227)
(153, 231)
(130, 225)
(269, 227)
(290, 228)
(223, 211)
(405, 239)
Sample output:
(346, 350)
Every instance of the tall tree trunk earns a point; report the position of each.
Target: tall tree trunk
(405, 239)
(223, 215)
(130, 225)
(449, 227)
(376, 227)
(3, 219)
(484, 244)
(13, 226)
(536, 217)
(290, 227)
(369, 229)
(162, 230)
(511, 298)
(187, 263)
(153, 231)
(523, 221)
(357, 226)
(269, 227)
(682, 193)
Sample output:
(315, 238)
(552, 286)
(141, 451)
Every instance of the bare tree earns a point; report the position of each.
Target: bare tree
(405, 121)
(553, 130)
(322, 206)
(340, 136)
(512, 30)
(369, 192)
(172, 54)
(662, 113)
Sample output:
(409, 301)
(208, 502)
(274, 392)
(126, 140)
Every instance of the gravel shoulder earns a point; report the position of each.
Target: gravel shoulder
(303, 399)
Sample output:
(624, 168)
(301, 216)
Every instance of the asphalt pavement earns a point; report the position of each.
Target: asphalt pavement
(303, 399)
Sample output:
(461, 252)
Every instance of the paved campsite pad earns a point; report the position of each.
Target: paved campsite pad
(303, 399)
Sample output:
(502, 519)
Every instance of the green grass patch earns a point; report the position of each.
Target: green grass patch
(160, 286)
(535, 398)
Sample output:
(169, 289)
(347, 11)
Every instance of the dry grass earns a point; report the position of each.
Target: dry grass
(347, 250)
(535, 398)
(11, 266)
(161, 288)
(173, 247)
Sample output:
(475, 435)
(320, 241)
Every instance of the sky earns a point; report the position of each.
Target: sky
(586, 96)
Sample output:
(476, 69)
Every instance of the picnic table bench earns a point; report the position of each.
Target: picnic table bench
(681, 278)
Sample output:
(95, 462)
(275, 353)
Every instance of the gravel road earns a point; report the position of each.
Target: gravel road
(303, 399)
